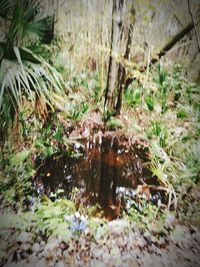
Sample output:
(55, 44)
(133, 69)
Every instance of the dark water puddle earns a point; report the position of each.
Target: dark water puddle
(107, 171)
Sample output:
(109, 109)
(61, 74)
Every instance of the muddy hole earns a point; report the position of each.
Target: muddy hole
(106, 169)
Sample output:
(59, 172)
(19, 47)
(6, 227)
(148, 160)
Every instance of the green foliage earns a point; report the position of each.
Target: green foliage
(20, 157)
(138, 211)
(51, 214)
(27, 79)
(132, 96)
(177, 83)
(98, 93)
(76, 114)
(26, 22)
(114, 124)
(108, 115)
(6, 116)
(4, 8)
(149, 99)
(164, 106)
(24, 73)
(80, 80)
(25, 125)
(174, 142)
(93, 210)
(88, 85)
(182, 114)
(15, 184)
(58, 134)
(144, 215)
(50, 140)
(162, 75)
(162, 81)
(47, 218)
(189, 155)
(158, 131)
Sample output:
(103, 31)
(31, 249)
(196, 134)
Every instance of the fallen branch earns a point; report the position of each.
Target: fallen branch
(175, 39)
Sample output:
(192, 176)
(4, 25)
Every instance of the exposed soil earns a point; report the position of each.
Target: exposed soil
(106, 168)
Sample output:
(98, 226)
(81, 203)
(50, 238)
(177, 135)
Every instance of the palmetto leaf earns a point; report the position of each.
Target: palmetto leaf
(21, 77)
(26, 23)
(33, 25)
(5, 6)
(35, 29)
(158, 170)
(23, 73)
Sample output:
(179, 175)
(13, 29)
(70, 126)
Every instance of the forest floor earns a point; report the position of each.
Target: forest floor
(58, 233)
(167, 241)
(121, 246)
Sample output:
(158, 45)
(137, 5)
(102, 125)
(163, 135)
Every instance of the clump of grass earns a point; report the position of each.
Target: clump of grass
(114, 124)
(132, 96)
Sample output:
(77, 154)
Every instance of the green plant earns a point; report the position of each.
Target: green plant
(45, 144)
(149, 99)
(76, 113)
(132, 96)
(182, 114)
(193, 93)
(107, 115)
(51, 140)
(25, 125)
(58, 134)
(189, 155)
(162, 80)
(143, 214)
(159, 170)
(98, 93)
(24, 73)
(114, 124)
(6, 117)
(51, 214)
(159, 131)
(25, 78)
(15, 184)
(177, 83)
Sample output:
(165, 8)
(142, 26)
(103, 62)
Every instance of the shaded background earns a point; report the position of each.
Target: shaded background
(86, 28)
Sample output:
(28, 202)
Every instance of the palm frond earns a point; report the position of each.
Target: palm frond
(5, 6)
(157, 169)
(35, 29)
(34, 25)
(30, 79)
(25, 54)
(27, 22)
(159, 152)
(189, 165)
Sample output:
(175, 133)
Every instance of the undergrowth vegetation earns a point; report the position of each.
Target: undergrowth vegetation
(47, 106)
(164, 111)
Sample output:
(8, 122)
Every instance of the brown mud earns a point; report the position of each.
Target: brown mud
(106, 168)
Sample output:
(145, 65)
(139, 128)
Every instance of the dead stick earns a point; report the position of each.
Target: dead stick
(175, 39)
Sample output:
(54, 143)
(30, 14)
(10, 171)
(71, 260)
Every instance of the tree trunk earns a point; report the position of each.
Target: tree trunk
(117, 14)
(122, 70)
